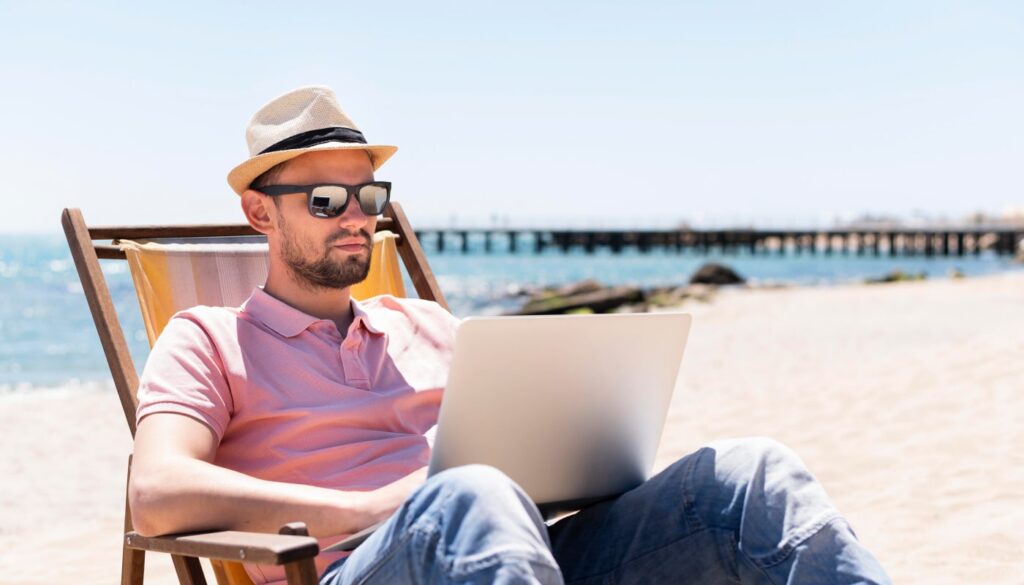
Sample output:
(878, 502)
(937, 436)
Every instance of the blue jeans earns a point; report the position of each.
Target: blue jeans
(743, 511)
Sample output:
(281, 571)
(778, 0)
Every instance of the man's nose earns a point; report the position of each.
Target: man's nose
(353, 216)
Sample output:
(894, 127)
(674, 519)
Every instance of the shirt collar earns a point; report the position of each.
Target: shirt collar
(287, 321)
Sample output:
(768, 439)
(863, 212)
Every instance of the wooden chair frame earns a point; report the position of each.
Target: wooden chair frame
(292, 547)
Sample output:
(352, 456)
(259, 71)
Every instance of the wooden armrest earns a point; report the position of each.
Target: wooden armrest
(250, 547)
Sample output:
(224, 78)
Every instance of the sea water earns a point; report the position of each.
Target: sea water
(47, 336)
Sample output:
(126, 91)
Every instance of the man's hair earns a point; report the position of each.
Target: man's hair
(269, 177)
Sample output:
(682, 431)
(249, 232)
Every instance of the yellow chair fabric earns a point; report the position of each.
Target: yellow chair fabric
(170, 277)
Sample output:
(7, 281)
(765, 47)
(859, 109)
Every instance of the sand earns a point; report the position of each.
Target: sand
(906, 400)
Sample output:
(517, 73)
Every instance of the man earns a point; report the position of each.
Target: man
(305, 405)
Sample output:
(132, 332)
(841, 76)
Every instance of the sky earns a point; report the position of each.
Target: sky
(577, 114)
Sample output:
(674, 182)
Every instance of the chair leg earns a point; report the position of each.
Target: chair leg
(133, 565)
(190, 572)
(301, 572)
(133, 562)
(220, 574)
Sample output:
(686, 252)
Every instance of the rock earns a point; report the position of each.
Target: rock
(673, 296)
(666, 297)
(597, 301)
(897, 276)
(590, 296)
(716, 274)
(701, 292)
(579, 288)
(566, 290)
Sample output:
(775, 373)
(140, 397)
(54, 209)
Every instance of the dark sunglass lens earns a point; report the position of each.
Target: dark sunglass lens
(328, 201)
(373, 198)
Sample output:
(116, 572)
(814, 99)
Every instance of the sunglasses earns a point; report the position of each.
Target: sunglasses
(328, 200)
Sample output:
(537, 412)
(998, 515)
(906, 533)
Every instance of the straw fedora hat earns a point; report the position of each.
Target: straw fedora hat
(304, 119)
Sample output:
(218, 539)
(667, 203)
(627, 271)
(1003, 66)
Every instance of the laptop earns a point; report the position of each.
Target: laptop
(571, 407)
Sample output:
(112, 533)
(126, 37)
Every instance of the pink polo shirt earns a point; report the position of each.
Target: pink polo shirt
(291, 401)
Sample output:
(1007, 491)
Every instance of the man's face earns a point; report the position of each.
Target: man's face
(325, 252)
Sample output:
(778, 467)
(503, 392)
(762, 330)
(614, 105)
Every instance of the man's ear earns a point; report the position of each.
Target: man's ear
(257, 209)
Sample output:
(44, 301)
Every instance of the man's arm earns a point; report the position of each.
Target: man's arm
(175, 487)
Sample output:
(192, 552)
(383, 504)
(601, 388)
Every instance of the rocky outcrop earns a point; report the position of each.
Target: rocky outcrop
(590, 296)
(896, 276)
(716, 274)
(676, 295)
(582, 299)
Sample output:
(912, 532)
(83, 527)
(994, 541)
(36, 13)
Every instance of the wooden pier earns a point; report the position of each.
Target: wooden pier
(900, 242)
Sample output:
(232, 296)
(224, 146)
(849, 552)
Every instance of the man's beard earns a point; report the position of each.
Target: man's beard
(324, 271)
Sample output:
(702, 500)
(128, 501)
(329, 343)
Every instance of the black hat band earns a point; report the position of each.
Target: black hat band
(314, 137)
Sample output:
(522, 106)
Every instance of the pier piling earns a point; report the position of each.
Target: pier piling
(904, 242)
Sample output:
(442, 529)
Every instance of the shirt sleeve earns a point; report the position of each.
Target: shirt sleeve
(184, 374)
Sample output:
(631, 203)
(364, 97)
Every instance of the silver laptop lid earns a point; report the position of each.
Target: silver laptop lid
(570, 407)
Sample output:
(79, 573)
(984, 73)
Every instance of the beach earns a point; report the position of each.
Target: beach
(906, 400)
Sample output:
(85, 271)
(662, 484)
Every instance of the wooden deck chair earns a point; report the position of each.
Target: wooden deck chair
(201, 249)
